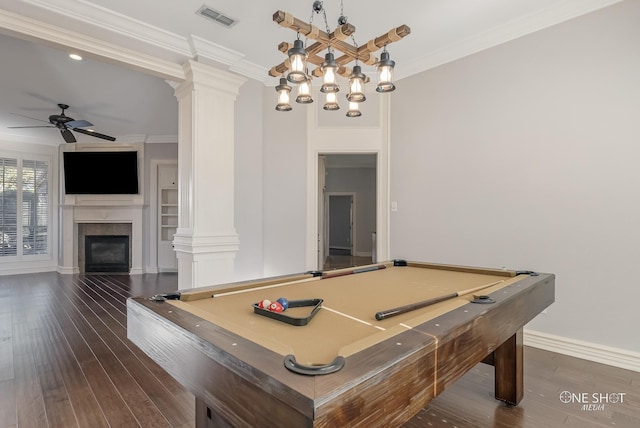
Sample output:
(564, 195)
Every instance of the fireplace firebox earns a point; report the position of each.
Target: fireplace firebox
(106, 253)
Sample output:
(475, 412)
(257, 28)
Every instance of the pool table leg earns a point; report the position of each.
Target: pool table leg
(201, 413)
(207, 418)
(509, 370)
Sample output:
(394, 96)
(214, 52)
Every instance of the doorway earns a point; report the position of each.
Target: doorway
(347, 207)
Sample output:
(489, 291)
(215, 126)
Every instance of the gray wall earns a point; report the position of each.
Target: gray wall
(284, 187)
(526, 156)
(248, 180)
(340, 217)
(362, 182)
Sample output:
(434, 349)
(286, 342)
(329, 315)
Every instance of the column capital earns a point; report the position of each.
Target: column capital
(198, 75)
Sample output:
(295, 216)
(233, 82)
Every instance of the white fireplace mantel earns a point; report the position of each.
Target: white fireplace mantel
(72, 215)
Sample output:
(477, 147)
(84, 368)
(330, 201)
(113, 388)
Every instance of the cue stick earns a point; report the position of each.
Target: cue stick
(264, 287)
(413, 306)
(334, 274)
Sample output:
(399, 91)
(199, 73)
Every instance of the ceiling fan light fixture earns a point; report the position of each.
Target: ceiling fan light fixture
(66, 124)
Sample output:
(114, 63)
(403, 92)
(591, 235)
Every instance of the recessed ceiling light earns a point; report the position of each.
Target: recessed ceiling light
(75, 57)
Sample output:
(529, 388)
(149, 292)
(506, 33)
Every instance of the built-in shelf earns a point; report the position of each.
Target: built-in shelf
(167, 215)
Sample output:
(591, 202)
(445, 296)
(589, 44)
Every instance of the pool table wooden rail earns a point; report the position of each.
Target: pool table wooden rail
(240, 383)
(205, 359)
(473, 334)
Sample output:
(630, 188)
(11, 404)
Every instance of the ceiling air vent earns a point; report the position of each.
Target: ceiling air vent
(216, 16)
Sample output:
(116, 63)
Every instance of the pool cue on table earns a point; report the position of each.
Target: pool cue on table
(413, 306)
(329, 274)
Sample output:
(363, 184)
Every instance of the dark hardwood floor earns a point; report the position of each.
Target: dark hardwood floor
(65, 361)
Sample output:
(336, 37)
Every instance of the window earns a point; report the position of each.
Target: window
(24, 207)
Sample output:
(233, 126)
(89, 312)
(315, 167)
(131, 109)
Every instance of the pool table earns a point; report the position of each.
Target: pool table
(363, 346)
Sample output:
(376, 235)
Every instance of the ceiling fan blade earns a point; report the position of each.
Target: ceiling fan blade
(78, 124)
(68, 136)
(36, 126)
(29, 117)
(94, 134)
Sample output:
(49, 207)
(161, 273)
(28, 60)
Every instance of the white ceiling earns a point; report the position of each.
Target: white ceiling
(128, 104)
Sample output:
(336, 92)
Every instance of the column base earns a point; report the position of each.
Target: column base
(205, 260)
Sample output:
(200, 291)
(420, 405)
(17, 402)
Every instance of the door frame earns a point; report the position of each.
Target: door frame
(154, 188)
(341, 140)
(323, 209)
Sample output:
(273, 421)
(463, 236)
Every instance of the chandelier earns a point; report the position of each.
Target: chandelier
(295, 69)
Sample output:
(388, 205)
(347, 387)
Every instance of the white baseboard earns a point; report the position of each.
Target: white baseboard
(21, 270)
(64, 270)
(621, 358)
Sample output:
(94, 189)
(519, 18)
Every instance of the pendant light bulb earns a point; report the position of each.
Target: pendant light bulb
(297, 62)
(329, 68)
(356, 85)
(385, 73)
(284, 100)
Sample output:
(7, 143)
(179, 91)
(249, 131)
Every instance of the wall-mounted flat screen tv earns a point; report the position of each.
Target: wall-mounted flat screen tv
(100, 173)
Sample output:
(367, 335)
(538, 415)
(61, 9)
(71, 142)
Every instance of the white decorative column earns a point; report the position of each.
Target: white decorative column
(206, 241)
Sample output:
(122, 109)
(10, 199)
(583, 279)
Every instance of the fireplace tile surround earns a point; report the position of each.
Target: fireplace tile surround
(103, 229)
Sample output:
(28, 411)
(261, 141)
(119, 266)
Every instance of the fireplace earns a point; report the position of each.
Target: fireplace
(106, 253)
(82, 215)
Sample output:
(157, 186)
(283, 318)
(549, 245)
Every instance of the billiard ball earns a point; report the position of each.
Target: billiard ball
(275, 307)
(284, 302)
(264, 304)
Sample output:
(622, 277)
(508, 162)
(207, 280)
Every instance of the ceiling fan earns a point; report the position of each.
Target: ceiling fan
(66, 124)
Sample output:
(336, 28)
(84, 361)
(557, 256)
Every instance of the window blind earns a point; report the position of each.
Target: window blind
(24, 207)
(8, 202)
(35, 207)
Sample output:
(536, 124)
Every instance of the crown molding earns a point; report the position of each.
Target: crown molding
(202, 48)
(162, 139)
(197, 47)
(8, 137)
(206, 49)
(251, 70)
(512, 30)
(115, 22)
(193, 47)
(147, 139)
(130, 139)
(41, 32)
